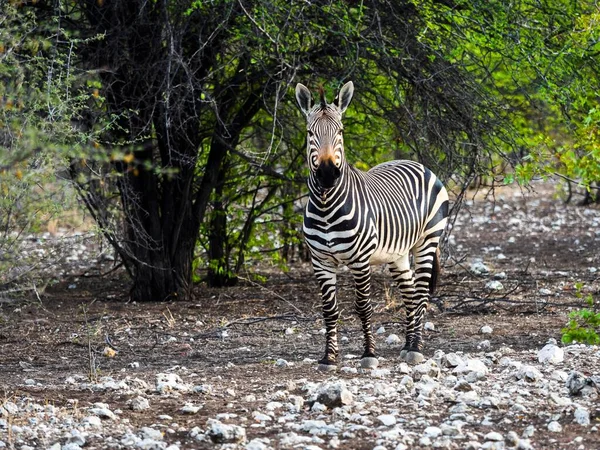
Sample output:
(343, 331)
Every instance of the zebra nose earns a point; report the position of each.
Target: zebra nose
(327, 174)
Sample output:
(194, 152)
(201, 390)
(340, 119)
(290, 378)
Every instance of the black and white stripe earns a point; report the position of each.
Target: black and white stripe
(357, 219)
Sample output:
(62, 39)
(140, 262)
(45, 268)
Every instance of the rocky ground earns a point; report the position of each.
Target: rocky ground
(236, 368)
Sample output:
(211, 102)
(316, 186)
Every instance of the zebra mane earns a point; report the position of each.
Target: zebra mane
(322, 96)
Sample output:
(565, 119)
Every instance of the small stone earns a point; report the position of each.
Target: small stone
(151, 433)
(500, 276)
(472, 365)
(318, 407)
(582, 416)
(109, 352)
(545, 292)
(486, 329)
(393, 339)
(494, 285)
(429, 368)
(484, 345)
(281, 363)
(334, 395)
(188, 408)
(463, 386)
(479, 268)
(139, 404)
(451, 360)
(528, 431)
(524, 444)
(576, 382)
(92, 421)
(166, 382)
(221, 433)
(493, 436)
(261, 417)
(554, 427)
(512, 438)
(528, 373)
(551, 354)
(432, 432)
(429, 326)
(380, 330)
(387, 419)
(103, 412)
(258, 444)
(11, 408)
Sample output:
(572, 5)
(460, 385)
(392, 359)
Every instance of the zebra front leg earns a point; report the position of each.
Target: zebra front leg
(326, 277)
(364, 309)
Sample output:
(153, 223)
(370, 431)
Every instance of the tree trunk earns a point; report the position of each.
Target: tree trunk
(219, 272)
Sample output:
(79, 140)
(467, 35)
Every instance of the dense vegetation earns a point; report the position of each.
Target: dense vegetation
(174, 121)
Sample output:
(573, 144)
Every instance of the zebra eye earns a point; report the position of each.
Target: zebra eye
(310, 133)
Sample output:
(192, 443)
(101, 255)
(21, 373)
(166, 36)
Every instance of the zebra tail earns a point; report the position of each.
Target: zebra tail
(435, 272)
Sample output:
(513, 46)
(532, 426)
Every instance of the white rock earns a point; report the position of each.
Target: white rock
(261, 417)
(528, 373)
(493, 436)
(393, 339)
(551, 354)
(11, 408)
(451, 360)
(545, 292)
(528, 431)
(554, 427)
(258, 444)
(166, 382)
(429, 326)
(189, 408)
(432, 432)
(479, 268)
(221, 433)
(139, 404)
(103, 413)
(500, 276)
(494, 285)
(429, 368)
(576, 382)
(387, 419)
(151, 433)
(334, 394)
(281, 363)
(472, 365)
(486, 329)
(582, 416)
(92, 421)
(380, 330)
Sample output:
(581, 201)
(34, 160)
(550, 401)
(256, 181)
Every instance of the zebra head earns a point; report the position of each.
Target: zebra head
(325, 143)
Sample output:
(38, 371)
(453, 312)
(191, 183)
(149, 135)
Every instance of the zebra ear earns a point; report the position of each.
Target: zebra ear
(304, 98)
(344, 98)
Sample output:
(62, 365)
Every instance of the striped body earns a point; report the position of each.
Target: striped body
(356, 219)
(377, 215)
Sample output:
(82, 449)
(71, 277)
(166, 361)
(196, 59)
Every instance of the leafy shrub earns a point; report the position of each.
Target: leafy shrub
(584, 324)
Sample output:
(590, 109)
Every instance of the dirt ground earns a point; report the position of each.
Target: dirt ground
(230, 338)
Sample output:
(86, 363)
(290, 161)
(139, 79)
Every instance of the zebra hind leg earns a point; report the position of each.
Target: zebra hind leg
(326, 277)
(364, 309)
(404, 278)
(426, 271)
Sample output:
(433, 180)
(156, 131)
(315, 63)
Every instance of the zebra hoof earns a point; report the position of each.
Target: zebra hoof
(327, 367)
(414, 357)
(369, 362)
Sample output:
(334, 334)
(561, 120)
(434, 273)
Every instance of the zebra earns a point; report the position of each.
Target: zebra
(358, 219)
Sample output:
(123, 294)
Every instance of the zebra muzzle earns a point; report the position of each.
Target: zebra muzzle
(327, 174)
